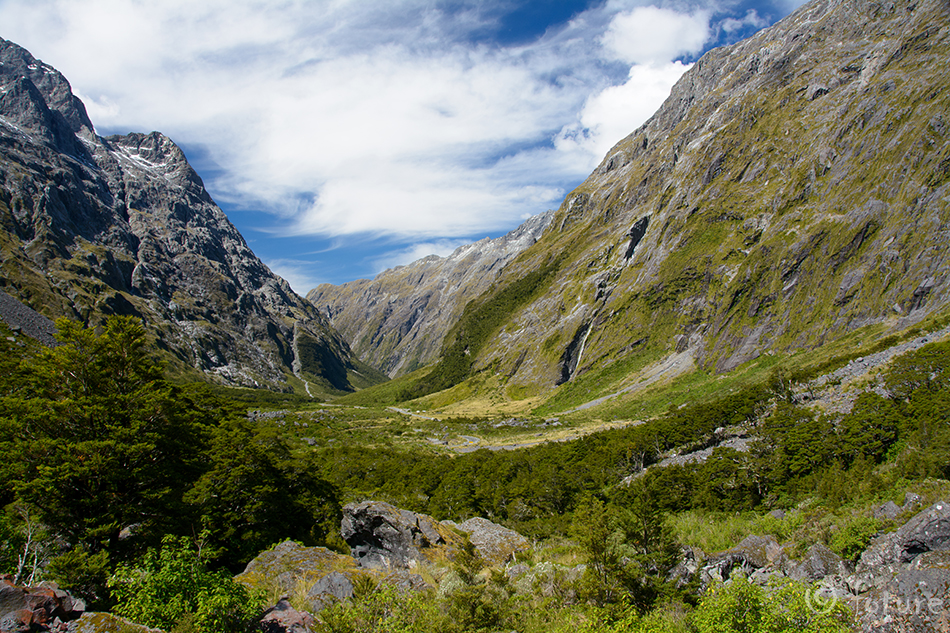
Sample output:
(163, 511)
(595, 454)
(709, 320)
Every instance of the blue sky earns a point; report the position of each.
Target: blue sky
(343, 137)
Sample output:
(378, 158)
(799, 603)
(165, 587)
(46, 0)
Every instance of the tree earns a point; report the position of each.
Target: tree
(592, 530)
(104, 442)
(254, 494)
(869, 429)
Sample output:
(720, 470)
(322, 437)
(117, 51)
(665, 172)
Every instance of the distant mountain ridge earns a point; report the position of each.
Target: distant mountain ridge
(397, 320)
(793, 188)
(91, 226)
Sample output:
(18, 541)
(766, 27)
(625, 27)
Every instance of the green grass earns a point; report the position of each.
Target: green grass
(384, 394)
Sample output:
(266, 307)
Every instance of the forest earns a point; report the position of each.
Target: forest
(145, 496)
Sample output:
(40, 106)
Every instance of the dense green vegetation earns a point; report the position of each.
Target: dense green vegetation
(109, 459)
(145, 496)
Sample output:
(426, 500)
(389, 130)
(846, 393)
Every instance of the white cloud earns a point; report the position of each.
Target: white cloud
(612, 114)
(342, 117)
(751, 18)
(650, 35)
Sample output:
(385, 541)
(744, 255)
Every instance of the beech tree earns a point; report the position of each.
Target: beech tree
(111, 458)
(104, 441)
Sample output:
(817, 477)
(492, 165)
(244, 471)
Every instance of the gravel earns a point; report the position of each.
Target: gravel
(21, 318)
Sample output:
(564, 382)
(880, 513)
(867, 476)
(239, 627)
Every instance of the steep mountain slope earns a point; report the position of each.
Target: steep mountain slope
(794, 187)
(397, 320)
(92, 226)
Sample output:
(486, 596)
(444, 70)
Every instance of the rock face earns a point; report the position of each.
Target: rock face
(331, 588)
(290, 568)
(92, 226)
(385, 537)
(397, 321)
(753, 554)
(42, 608)
(902, 581)
(794, 187)
(927, 531)
(283, 618)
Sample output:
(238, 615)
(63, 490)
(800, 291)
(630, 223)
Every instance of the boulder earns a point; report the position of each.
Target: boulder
(889, 510)
(685, 570)
(383, 536)
(283, 618)
(106, 623)
(819, 563)
(902, 580)
(289, 566)
(495, 543)
(925, 532)
(39, 608)
(333, 587)
(753, 553)
(910, 599)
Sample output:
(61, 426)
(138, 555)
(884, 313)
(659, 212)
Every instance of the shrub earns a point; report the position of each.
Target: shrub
(171, 587)
(785, 606)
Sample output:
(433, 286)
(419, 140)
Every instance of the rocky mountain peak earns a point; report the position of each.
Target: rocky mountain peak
(93, 226)
(38, 99)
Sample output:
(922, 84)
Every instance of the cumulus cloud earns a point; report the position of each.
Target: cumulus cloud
(651, 35)
(612, 114)
(388, 118)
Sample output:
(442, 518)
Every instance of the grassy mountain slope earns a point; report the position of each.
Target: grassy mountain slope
(792, 189)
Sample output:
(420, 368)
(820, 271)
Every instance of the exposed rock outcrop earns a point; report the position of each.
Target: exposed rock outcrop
(902, 581)
(45, 607)
(331, 588)
(383, 536)
(752, 554)
(495, 543)
(283, 618)
(927, 531)
(290, 568)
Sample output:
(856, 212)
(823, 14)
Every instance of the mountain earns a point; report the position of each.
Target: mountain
(93, 226)
(397, 320)
(793, 188)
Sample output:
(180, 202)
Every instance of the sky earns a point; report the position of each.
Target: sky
(344, 137)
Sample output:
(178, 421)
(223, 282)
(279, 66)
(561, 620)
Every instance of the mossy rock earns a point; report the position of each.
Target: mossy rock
(290, 567)
(106, 623)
